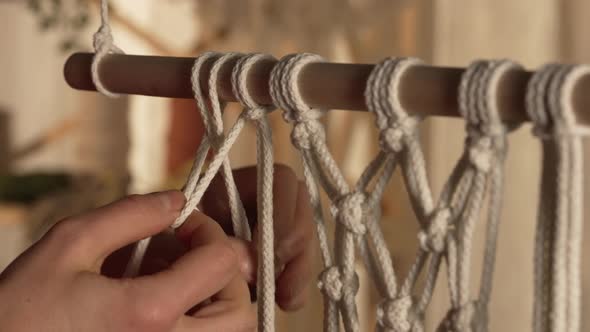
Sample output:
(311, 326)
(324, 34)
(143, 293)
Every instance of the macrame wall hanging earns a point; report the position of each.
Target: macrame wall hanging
(447, 221)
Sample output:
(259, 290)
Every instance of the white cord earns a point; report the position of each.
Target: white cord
(559, 223)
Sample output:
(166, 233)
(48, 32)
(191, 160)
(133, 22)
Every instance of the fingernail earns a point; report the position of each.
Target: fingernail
(246, 263)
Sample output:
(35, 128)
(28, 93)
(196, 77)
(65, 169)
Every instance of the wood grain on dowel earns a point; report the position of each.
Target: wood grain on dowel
(425, 90)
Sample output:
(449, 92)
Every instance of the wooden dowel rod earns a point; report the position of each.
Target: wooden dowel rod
(425, 90)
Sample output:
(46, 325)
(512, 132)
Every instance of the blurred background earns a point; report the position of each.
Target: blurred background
(64, 151)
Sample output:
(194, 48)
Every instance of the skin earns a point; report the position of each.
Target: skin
(195, 279)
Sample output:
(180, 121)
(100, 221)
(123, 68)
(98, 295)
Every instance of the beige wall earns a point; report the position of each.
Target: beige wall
(36, 98)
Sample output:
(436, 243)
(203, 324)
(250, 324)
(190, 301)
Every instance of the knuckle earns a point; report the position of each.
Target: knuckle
(68, 236)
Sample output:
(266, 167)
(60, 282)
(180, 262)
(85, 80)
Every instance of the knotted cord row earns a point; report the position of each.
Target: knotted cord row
(447, 225)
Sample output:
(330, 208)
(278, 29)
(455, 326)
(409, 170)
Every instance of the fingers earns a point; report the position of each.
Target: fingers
(293, 225)
(284, 192)
(224, 317)
(90, 237)
(247, 261)
(236, 292)
(299, 254)
(230, 308)
(202, 272)
(164, 249)
(293, 283)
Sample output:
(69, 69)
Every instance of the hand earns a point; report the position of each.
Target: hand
(293, 226)
(56, 284)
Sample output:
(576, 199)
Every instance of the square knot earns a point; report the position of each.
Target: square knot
(481, 153)
(397, 315)
(350, 210)
(332, 285)
(434, 238)
(461, 319)
(392, 138)
(305, 133)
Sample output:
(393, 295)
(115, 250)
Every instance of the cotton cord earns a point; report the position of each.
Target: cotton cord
(210, 108)
(557, 305)
(397, 311)
(104, 44)
(482, 175)
(211, 112)
(447, 225)
(265, 169)
(338, 282)
(355, 209)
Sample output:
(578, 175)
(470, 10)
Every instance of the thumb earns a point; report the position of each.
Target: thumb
(131, 219)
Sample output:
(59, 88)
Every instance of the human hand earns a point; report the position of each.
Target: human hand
(56, 285)
(293, 225)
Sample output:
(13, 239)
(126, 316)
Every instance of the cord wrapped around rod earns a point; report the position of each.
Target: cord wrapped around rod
(426, 90)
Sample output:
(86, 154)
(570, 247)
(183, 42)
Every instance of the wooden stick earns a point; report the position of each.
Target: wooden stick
(425, 90)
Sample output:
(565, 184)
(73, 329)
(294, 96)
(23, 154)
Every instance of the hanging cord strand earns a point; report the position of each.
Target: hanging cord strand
(562, 101)
(395, 312)
(497, 71)
(222, 145)
(239, 220)
(483, 158)
(195, 185)
(559, 231)
(280, 89)
(265, 168)
(104, 44)
(536, 108)
(339, 282)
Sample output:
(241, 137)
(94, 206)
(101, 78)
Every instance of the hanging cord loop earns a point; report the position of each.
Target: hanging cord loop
(104, 44)
(265, 174)
(285, 92)
(382, 95)
(398, 141)
(559, 232)
(308, 135)
(482, 162)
